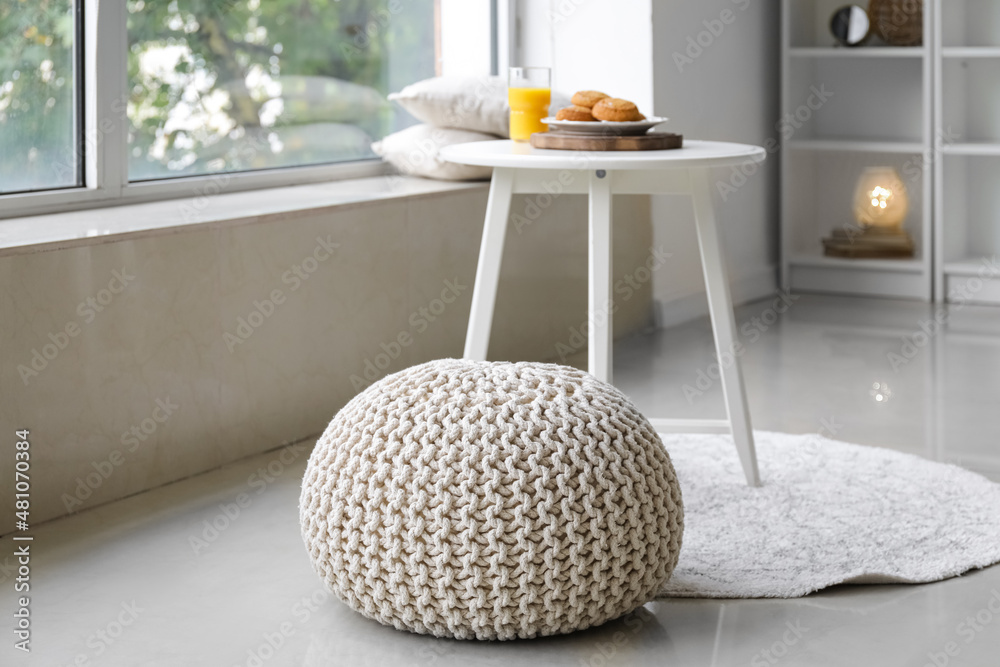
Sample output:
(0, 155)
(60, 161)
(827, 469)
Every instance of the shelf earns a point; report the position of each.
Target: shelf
(968, 267)
(914, 265)
(971, 52)
(970, 108)
(973, 149)
(856, 99)
(894, 278)
(968, 23)
(965, 285)
(856, 146)
(857, 52)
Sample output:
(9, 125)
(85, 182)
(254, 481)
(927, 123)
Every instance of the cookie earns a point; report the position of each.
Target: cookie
(615, 109)
(575, 113)
(587, 98)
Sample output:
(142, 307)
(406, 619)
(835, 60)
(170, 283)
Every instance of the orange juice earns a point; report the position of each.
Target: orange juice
(528, 106)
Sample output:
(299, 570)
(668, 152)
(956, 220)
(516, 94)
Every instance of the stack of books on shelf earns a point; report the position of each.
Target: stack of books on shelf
(868, 243)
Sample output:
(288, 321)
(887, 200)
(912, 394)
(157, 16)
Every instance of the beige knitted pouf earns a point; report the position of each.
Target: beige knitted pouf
(491, 501)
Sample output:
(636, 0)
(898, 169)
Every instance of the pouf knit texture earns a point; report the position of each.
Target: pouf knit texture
(491, 500)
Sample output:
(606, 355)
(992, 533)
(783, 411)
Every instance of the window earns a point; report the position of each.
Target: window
(147, 99)
(233, 85)
(39, 88)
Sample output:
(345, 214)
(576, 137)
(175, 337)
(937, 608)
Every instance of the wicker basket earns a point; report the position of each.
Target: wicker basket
(898, 22)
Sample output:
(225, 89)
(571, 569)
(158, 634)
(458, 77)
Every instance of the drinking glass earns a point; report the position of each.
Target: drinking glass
(529, 94)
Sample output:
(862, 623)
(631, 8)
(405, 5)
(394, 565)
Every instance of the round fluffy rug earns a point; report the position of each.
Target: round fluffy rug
(828, 513)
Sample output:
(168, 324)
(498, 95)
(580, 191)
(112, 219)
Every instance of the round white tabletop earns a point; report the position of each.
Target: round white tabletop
(506, 153)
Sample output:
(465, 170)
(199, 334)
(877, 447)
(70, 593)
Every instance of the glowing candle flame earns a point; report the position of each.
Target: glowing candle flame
(881, 198)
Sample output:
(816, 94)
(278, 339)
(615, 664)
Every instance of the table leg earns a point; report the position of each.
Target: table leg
(720, 305)
(484, 292)
(599, 310)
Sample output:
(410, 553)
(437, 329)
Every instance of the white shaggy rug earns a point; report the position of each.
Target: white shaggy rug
(828, 513)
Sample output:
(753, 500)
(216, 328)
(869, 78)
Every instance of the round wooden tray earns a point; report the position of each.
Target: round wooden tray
(568, 141)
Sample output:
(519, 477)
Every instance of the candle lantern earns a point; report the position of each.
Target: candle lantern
(881, 204)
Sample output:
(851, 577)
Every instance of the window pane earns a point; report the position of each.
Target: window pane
(233, 85)
(39, 135)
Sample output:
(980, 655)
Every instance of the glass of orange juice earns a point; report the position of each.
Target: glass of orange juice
(529, 94)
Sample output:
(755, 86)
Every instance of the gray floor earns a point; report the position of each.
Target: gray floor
(815, 369)
(146, 581)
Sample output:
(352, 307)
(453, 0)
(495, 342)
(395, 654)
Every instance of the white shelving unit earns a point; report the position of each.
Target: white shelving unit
(879, 114)
(861, 52)
(967, 144)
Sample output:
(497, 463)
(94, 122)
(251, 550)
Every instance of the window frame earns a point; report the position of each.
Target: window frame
(103, 140)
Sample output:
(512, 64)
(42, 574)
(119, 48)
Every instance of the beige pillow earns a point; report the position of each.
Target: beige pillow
(477, 103)
(416, 151)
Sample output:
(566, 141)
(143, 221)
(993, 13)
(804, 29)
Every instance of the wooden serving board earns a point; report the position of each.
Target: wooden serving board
(568, 141)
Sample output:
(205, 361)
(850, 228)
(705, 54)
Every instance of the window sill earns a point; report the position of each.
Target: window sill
(54, 231)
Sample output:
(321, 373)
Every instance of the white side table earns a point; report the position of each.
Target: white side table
(519, 168)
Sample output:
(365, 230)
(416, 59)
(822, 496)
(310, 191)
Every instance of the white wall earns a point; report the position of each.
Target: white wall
(729, 90)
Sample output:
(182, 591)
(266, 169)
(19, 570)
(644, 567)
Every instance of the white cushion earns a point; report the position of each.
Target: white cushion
(477, 103)
(416, 151)
(491, 500)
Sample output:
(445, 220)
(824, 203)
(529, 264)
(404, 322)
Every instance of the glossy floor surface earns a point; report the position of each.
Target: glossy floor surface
(211, 570)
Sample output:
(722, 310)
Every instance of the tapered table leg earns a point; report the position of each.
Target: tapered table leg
(720, 306)
(484, 292)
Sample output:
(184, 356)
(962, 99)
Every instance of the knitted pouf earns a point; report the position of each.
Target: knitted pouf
(491, 501)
